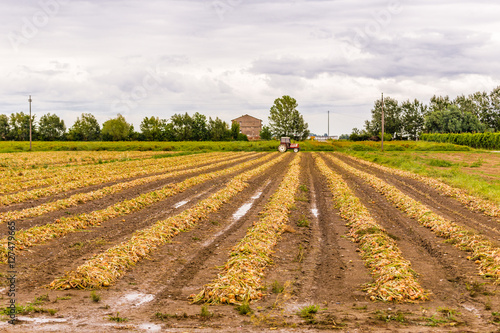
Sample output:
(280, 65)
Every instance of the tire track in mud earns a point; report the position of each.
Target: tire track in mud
(333, 272)
(48, 261)
(442, 205)
(443, 269)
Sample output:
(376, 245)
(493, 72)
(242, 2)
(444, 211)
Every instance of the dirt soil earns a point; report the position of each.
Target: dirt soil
(313, 264)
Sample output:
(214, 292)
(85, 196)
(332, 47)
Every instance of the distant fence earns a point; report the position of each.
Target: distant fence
(324, 138)
(474, 140)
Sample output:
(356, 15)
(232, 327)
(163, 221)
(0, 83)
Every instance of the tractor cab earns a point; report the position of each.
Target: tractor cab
(285, 144)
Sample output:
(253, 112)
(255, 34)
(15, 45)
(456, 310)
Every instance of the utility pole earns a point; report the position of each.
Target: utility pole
(29, 100)
(382, 121)
(328, 123)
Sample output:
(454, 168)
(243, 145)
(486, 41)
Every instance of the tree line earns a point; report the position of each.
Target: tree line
(284, 120)
(181, 127)
(475, 113)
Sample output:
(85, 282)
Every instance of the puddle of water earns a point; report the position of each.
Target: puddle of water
(257, 195)
(137, 298)
(242, 210)
(42, 320)
(314, 208)
(246, 207)
(150, 327)
(181, 203)
(238, 215)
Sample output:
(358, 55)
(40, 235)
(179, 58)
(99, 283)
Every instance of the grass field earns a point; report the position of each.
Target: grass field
(17, 146)
(476, 171)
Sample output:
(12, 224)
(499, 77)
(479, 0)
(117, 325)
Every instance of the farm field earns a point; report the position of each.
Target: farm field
(248, 241)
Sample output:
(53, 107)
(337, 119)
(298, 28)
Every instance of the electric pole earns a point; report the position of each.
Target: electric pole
(29, 100)
(328, 123)
(382, 121)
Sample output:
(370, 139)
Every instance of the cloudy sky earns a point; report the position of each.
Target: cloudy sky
(226, 58)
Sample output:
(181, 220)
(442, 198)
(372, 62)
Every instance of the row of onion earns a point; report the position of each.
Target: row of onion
(394, 279)
(81, 198)
(88, 177)
(474, 203)
(241, 278)
(61, 227)
(105, 268)
(481, 250)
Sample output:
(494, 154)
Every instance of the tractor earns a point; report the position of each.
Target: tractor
(285, 145)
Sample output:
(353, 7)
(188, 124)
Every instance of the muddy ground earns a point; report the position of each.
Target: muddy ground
(314, 265)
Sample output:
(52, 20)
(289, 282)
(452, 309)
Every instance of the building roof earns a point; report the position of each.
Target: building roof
(246, 115)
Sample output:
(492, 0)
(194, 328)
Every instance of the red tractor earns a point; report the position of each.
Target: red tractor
(285, 145)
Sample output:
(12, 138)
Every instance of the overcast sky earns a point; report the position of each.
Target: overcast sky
(226, 58)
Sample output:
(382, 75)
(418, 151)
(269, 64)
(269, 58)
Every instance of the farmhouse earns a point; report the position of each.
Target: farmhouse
(250, 126)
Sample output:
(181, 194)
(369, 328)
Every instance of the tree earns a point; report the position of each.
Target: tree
(452, 120)
(265, 133)
(117, 129)
(219, 130)
(285, 119)
(358, 135)
(20, 126)
(493, 117)
(199, 127)
(85, 128)
(182, 126)
(392, 118)
(235, 130)
(51, 127)
(152, 128)
(439, 103)
(412, 116)
(485, 112)
(4, 127)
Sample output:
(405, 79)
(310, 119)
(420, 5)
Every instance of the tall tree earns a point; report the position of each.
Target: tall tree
(285, 119)
(200, 127)
(219, 130)
(235, 130)
(152, 128)
(20, 126)
(51, 127)
(182, 126)
(493, 120)
(466, 104)
(392, 118)
(452, 120)
(117, 129)
(265, 133)
(4, 127)
(439, 103)
(85, 128)
(412, 116)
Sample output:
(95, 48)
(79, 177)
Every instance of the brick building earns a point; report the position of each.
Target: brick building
(250, 126)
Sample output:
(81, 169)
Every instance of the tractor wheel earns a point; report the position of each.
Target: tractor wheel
(295, 150)
(282, 148)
